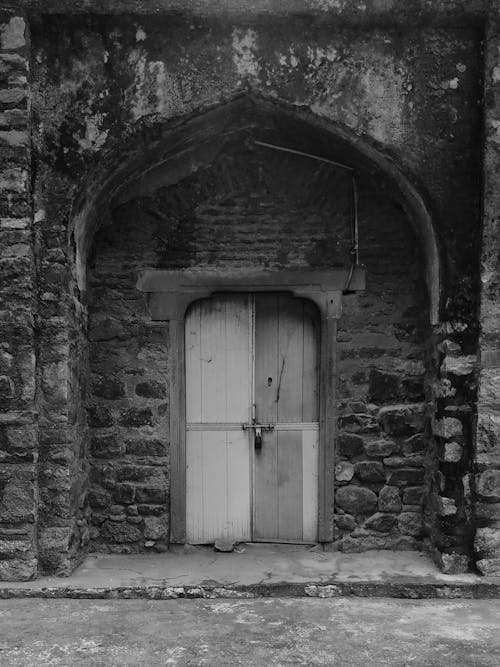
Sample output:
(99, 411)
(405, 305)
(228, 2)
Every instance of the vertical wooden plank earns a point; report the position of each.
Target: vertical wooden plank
(238, 370)
(310, 372)
(327, 428)
(214, 498)
(238, 485)
(265, 514)
(213, 360)
(290, 359)
(193, 364)
(177, 433)
(310, 484)
(266, 356)
(194, 486)
(290, 487)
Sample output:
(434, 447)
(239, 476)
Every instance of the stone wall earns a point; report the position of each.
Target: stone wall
(18, 427)
(102, 89)
(487, 478)
(251, 208)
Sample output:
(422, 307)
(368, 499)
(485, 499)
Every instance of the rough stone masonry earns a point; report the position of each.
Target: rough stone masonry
(127, 141)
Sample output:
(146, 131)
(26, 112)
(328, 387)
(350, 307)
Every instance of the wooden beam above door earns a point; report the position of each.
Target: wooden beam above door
(171, 291)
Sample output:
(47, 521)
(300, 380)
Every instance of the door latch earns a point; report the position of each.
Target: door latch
(258, 428)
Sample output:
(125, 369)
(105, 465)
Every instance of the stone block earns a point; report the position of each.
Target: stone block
(488, 485)
(12, 34)
(151, 389)
(413, 495)
(449, 427)
(108, 387)
(345, 522)
(136, 417)
(99, 499)
(410, 461)
(146, 447)
(489, 567)
(18, 569)
(120, 532)
(383, 386)
(389, 499)
(380, 448)
(381, 522)
(410, 523)
(403, 419)
(488, 432)
(105, 328)
(155, 528)
(17, 502)
(105, 446)
(463, 365)
(359, 423)
(415, 444)
(370, 471)
(452, 563)
(344, 471)
(446, 506)
(487, 542)
(124, 493)
(452, 452)
(356, 500)
(349, 445)
(152, 510)
(406, 477)
(99, 416)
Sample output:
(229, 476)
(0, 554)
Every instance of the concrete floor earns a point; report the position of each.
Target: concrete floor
(344, 631)
(252, 564)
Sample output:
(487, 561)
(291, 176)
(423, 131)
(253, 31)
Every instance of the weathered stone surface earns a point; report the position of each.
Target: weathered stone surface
(136, 417)
(487, 542)
(381, 522)
(389, 499)
(345, 522)
(406, 477)
(120, 532)
(404, 419)
(12, 34)
(349, 445)
(410, 461)
(452, 452)
(410, 523)
(110, 388)
(146, 447)
(459, 365)
(449, 427)
(151, 389)
(384, 386)
(356, 500)
(103, 327)
(99, 416)
(413, 495)
(380, 447)
(155, 528)
(344, 471)
(488, 485)
(446, 506)
(105, 446)
(370, 471)
(453, 563)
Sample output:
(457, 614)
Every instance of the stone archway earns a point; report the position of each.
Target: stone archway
(185, 150)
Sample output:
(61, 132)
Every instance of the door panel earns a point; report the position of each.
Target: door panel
(240, 351)
(218, 400)
(286, 394)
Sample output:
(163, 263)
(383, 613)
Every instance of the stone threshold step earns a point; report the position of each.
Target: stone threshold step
(404, 590)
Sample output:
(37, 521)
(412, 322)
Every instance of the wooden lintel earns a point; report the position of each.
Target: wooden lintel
(171, 292)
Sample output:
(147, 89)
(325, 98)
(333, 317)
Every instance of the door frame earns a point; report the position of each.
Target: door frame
(169, 295)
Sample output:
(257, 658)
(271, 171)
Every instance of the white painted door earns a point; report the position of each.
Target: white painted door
(252, 358)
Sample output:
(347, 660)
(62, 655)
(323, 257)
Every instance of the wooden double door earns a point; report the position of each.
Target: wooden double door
(252, 419)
